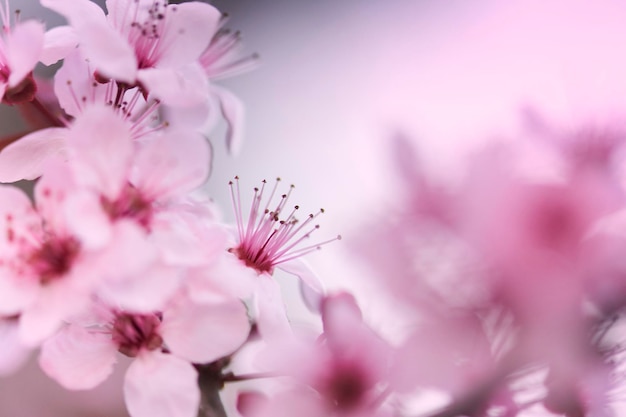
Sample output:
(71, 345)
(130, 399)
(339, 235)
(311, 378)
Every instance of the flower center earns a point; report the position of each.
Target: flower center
(266, 240)
(135, 332)
(146, 35)
(346, 387)
(54, 258)
(130, 204)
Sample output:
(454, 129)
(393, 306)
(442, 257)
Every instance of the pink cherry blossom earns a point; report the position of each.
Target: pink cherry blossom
(21, 48)
(348, 367)
(147, 43)
(136, 188)
(77, 90)
(161, 381)
(265, 241)
(43, 263)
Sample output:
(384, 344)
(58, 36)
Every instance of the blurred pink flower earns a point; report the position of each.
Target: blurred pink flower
(348, 368)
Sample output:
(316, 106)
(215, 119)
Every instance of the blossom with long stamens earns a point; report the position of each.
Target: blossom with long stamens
(264, 241)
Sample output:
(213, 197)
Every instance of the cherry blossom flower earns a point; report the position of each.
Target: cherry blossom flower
(137, 185)
(147, 43)
(76, 89)
(348, 368)
(265, 241)
(161, 381)
(43, 263)
(21, 47)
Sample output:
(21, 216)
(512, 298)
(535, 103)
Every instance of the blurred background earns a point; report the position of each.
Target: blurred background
(338, 79)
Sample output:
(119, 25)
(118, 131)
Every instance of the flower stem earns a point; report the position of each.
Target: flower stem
(210, 383)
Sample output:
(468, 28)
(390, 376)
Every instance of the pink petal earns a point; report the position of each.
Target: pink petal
(74, 85)
(16, 212)
(59, 42)
(129, 254)
(12, 353)
(271, 313)
(15, 293)
(76, 11)
(143, 293)
(201, 116)
(51, 191)
(311, 287)
(248, 402)
(24, 44)
(189, 30)
(187, 243)
(108, 51)
(202, 333)
(106, 48)
(227, 276)
(122, 13)
(186, 86)
(46, 315)
(173, 163)
(233, 112)
(339, 313)
(78, 358)
(26, 158)
(102, 148)
(86, 219)
(161, 385)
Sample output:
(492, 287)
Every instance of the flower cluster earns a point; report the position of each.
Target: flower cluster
(114, 253)
(511, 282)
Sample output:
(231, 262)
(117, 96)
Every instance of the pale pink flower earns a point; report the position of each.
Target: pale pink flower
(532, 234)
(451, 353)
(147, 43)
(43, 264)
(76, 89)
(264, 241)
(161, 381)
(21, 47)
(136, 187)
(347, 368)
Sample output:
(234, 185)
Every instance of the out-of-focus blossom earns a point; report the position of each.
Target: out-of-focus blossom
(348, 368)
